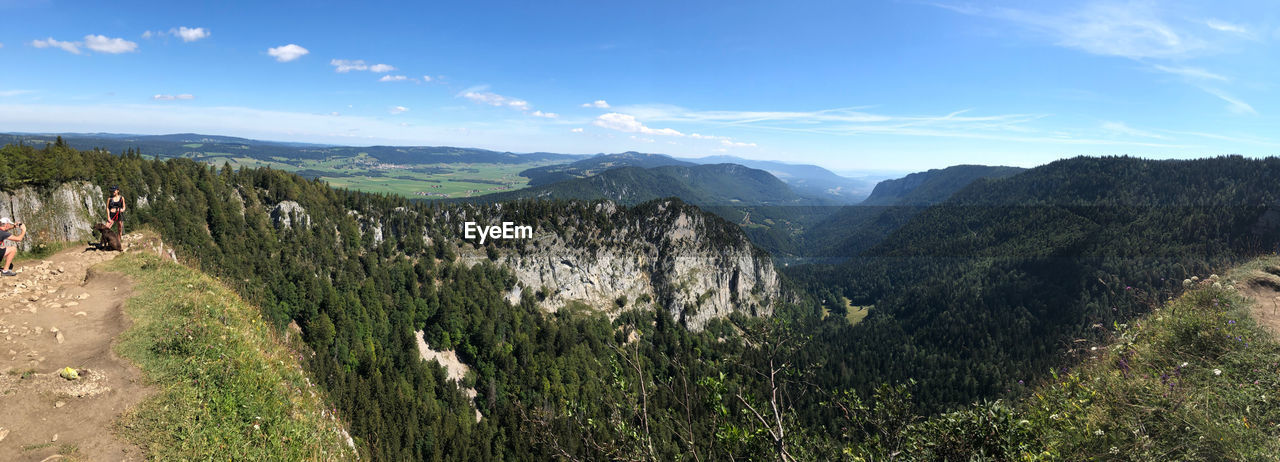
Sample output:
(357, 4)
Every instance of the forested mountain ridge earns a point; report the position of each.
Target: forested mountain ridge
(933, 186)
(701, 185)
(805, 179)
(989, 287)
(361, 273)
(594, 165)
(833, 234)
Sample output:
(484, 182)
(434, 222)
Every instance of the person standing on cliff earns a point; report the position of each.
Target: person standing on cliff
(115, 210)
(9, 239)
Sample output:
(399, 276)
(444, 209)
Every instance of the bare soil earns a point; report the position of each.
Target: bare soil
(1263, 287)
(60, 313)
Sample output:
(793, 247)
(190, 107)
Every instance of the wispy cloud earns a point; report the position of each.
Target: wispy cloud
(286, 53)
(348, 65)
(399, 110)
(599, 104)
(545, 115)
(479, 96)
(1223, 26)
(960, 124)
(187, 34)
(1190, 72)
(392, 78)
(184, 96)
(577, 130)
(1234, 104)
(1120, 128)
(1129, 29)
(628, 123)
(12, 93)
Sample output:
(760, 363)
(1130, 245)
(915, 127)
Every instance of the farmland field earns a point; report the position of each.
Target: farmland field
(364, 173)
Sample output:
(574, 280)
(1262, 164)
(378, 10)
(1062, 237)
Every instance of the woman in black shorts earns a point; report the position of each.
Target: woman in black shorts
(115, 210)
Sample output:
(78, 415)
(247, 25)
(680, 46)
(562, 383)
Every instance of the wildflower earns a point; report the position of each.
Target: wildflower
(1099, 432)
(1093, 349)
(1231, 321)
(1184, 364)
(1217, 372)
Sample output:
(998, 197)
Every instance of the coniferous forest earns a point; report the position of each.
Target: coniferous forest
(976, 298)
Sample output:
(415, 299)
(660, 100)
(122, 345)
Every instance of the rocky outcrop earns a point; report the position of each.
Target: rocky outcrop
(65, 213)
(285, 213)
(664, 254)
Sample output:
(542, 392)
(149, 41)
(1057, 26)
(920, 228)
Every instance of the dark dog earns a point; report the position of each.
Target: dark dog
(110, 240)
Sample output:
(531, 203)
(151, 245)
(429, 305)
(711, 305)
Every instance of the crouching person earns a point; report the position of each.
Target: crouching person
(10, 235)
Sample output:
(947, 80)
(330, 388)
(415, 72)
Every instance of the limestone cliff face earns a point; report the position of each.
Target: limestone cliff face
(665, 253)
(65, 213)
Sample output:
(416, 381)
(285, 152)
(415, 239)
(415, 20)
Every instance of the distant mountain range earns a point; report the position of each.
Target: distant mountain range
(933, 186)
(853, 229)
(806, 180)
(197, 146)
(597, 164)
(702, 185)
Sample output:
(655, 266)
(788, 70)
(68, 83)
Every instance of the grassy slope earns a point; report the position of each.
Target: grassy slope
(1196, 379)
(228, 387)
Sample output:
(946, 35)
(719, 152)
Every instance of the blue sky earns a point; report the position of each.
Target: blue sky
(847, 85)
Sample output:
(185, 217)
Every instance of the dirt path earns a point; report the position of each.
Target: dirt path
(59, 313)
(1263, 286)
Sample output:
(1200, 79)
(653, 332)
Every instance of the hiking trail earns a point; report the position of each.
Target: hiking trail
(1263, 286)
(60, 312)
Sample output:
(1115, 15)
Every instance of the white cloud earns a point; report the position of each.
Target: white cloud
(600, 104)
(577, 130)
(184, 96)
(98, 43)
(343, 65)
(286, 53)
(147, 34)
(69, 47)
(426, 78)
(547, 115)
(734, 144)
(1234, 104)
(189, 34)
(642, 139)
(348, 65)
(399, 110)
(392, 78)
(1121, 128)
(1223, 26)
(494, 99)
(1190, 72)
(104, 44)
(628, 123)
(334, 113)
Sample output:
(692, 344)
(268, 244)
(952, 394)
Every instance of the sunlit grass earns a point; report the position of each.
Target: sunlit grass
(227, 386)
